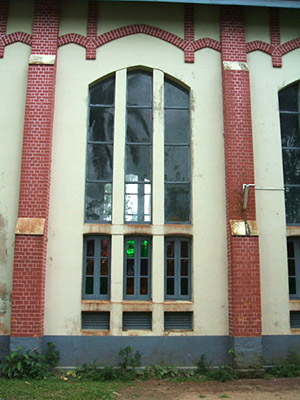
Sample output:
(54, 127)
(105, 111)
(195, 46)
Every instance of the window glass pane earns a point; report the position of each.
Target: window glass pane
(144, 286)
(139, 89)
(184, 286)
(290, 248)
(288, 98)
(130, 248)
(103, 285)
(177, 203)
(184, 267)
(138, 206)
(90, 248)
(292, 286)
(176, 163)
(175, 95)
(89, 285)
(104, 248)
(170, 248)
(290, 130)
(99, 162)
(144, 267)
(104, 267)
(130, 286)
(90, 266)
(98, 202)
(170, 268)
(130, 267)
(101, 124)
(184, 248)
(177, 126)
(138, 162)
(103, 92)
(170, 286)
(292, 270)
(292, 201)
(291, 166)
(139, 125)
(144, 248)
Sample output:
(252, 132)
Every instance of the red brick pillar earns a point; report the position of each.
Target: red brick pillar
(28, 293)
(242, 235)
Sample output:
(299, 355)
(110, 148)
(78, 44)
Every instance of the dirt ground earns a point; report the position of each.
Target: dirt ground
(256, 389)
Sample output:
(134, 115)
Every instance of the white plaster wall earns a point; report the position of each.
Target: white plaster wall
(13, 78)
(66, 226)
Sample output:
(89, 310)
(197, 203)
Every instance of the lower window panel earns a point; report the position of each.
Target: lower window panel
(137, 320)
(178, 321)
(95, 320)
(295, 319)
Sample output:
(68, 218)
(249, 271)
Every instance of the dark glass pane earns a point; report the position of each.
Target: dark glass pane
(292, 286)
(288, 98)
(144, 248)
(130, 286)
(144, 286)
(292, 270)
(177, 203)
(90, 266)
(89, 285)
(98, 202)
(184, 248)
(103, 92)
(144, 267)
(177, 126)
(175, 96)
(170, 286)
(99, 162)
(130, 267)
(90, 248)
(291, 166)
(139, 89)
(177, 163)
(101, 125)
(139, 125)
(290, 130)
(184, 286)
(184, 268)
(103, 285)
(170, 248)
(170, 268)
(130, 248)
(104, 248)
(104, 267)
(292, 205)
(138, 162)
(290, 248)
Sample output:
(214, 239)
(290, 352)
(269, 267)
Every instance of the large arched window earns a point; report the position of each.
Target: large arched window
(289, 106)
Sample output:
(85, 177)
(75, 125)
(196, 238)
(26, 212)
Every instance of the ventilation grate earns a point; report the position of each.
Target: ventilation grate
(95, 320)
(137, 320)
(178, 320)
(295, 319)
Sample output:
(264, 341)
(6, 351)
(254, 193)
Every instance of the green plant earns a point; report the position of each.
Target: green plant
(129, 362)
(30, 364)
(202, 366)
(221, 373)
(288, 366)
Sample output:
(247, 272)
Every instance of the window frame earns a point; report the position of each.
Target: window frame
(177, 273)
(137, 276)
(296, 242)
(97, 271)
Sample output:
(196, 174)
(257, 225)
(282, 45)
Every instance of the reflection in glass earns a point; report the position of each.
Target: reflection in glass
(175, 95)
(104, 248)
(104, 267)
(90, 251)
(98, 202)
(177, 203)
(139, 89)
(103, 92)
(177, 126)
(130, 267)
(101, 124)
(139, 125)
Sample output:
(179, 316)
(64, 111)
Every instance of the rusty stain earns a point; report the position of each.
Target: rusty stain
(3, 292)
(30, 226)
(72, 326)
(105, 229)
(3, 249)
(3, 329)
(95, 332)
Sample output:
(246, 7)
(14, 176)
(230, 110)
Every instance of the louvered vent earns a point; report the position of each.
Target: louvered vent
(178, 320)
(95, 320)
(295, 319)
(137, 320)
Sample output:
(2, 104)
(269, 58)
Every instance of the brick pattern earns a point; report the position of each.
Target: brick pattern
(275, 37)
(92, 25)
(243, 252)
(189, 53)
(27, 314)
(3, 24)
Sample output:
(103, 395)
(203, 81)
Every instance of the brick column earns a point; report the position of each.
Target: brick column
(28, 293)
(242, 235)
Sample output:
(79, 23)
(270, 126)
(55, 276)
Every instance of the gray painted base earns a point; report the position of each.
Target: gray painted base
(4, 346)
(247, 351)
(27, 343)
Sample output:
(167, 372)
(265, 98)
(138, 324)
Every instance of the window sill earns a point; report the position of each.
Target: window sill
(95, 332)
(293, 231)
(95, 305)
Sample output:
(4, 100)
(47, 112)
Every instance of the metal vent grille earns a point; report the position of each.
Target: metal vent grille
(95, 320)
(178, 320)
(295, 319)
(137, 320)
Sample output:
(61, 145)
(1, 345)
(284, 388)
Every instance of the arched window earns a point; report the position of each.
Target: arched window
(289, 106)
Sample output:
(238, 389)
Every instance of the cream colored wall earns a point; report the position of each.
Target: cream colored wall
(20, 15)
(266, 81)
(13, 78)
(66, 227)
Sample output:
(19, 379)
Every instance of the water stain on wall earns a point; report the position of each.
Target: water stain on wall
(3, 249)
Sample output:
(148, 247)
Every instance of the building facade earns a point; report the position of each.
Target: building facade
(150, 179)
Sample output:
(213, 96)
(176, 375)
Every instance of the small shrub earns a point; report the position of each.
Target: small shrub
(202, 366)
(222, 373)
(129, 363)
(288, 366)
(90, 371)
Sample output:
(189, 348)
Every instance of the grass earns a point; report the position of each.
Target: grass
(54, 388)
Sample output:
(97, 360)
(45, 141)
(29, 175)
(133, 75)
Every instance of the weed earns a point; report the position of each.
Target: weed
(222, 373)
(129, 363)
(288, 366)
(224, 396)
